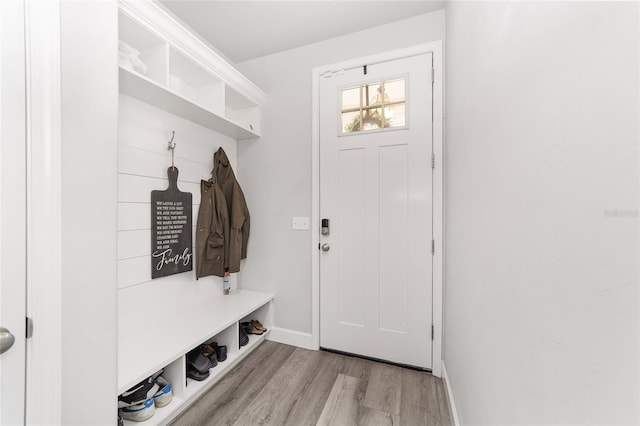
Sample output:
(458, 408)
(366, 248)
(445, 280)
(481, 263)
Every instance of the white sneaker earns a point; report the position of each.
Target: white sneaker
(139, 413)
(165, 393)
(138, 394)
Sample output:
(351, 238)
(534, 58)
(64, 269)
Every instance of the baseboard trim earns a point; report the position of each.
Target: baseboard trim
(291, 337)
(452, 404)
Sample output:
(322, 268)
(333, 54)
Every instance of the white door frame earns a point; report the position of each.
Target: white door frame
(438, 187)
(44, 212)
(43, 197)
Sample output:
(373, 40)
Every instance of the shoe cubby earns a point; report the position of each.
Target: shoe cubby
(263, 316)
(174, 373)
(227, 338)
(184, 75)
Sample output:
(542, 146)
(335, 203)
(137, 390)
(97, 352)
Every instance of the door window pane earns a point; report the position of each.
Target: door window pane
(350, 122)
(395, 90)
(379, 105)
(373, 92)
(351, 99)
(395, 115)
(372, 119)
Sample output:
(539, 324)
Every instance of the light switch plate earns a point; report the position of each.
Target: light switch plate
(300, 223)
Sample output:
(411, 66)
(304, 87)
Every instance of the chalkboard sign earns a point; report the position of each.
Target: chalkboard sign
(171, 230)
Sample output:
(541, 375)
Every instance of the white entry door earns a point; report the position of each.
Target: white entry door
(376, 193)
(12, 213)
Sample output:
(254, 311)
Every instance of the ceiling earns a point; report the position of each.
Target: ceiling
(244, 30)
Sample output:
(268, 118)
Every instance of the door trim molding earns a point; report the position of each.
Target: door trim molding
(44, 213)
(435, 48)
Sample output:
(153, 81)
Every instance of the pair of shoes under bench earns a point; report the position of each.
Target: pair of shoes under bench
(253, 327)
(159, 394)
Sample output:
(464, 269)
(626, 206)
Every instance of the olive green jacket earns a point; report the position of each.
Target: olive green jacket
(223, 221)
(212, 230)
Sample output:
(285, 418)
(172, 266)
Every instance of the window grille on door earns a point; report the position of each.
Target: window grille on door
(374, 106)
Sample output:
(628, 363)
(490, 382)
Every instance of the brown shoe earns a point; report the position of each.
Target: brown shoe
(209, 352)
(249, 328)
(259, 326)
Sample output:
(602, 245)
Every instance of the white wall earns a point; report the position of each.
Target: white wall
(276, 169)
(542, 315)
(89, 87)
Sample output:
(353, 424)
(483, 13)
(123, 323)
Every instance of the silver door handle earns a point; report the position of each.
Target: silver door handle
(6, 340)
(326, 247)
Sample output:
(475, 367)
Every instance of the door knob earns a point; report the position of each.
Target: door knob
(6, 340)
(326, 247)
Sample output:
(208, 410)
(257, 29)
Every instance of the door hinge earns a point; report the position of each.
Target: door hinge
(29, 328)
(433, 75)
(433, 160)
(433, 332)
(433, 247)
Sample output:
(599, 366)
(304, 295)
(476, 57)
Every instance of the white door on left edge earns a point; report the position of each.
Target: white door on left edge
(376, 193)
(12, 213)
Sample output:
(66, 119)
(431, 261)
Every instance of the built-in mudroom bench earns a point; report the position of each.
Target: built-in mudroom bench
(174, 87)
(162, 342)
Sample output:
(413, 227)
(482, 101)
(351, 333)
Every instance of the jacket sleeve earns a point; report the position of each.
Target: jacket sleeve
(224, 221)
(239, 220)
(245, 232)
(201, 234)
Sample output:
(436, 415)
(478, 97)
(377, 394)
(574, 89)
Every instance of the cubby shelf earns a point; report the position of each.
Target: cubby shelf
(147, 90)
(183, 75)
(195, 388)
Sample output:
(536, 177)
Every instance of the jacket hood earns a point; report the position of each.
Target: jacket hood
(221, 169)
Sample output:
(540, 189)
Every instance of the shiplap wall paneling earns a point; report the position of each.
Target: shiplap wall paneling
(143, 160)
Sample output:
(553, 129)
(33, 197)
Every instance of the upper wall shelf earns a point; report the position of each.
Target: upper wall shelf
(183, 75)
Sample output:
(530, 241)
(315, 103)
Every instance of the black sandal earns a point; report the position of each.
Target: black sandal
(198, 362)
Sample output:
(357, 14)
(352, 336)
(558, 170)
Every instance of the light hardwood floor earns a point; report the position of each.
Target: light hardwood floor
(283, 385)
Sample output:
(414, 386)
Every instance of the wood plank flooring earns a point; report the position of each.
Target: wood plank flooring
(283, 385)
